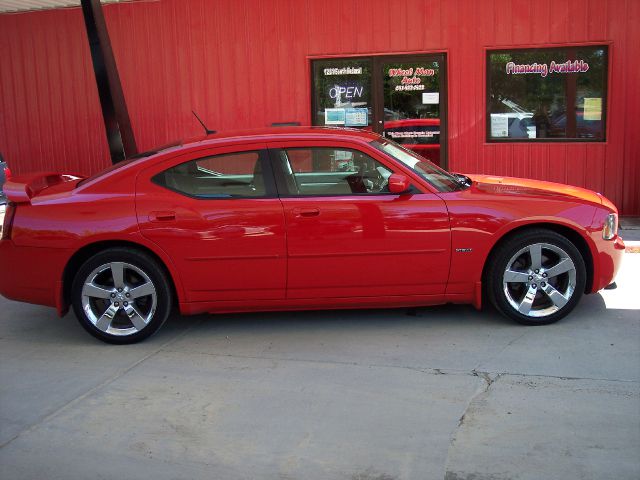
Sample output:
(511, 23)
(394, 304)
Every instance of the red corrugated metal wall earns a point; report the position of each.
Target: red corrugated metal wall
(50, 115)
(245, 64)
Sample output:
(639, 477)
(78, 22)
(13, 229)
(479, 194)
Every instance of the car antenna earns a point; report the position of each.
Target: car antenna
(206, 130)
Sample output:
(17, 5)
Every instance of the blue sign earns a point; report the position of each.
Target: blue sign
(356, 117)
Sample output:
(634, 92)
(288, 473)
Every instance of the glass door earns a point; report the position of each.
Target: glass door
(411, 104)
(400, 97)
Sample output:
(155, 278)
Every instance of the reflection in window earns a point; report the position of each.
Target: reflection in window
(554, 93)
(332, 171)
(219, 176)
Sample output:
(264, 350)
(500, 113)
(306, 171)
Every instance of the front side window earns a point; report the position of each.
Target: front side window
(547, 94)
(220, 176)
(331, 171)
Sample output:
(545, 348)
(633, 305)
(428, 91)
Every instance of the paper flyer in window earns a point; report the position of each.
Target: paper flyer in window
(499, 125)
(334, 116)
(593, 108)
(431, 98)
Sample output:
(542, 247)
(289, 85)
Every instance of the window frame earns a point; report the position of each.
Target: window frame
(267, 173)
(567, 48)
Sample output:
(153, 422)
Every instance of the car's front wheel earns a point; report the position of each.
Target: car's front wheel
(121, 296)
(536, 277)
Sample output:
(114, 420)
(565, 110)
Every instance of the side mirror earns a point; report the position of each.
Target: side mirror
(398, 183)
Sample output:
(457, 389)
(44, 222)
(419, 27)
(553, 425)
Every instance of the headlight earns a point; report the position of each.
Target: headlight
(610, 229)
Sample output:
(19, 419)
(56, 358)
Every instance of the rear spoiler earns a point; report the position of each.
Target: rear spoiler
(23, 188)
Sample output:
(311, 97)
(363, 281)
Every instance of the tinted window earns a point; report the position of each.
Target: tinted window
(220, 176)
(557, 93)
(332, 171)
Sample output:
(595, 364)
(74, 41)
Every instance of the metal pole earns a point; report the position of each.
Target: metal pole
(122, 143)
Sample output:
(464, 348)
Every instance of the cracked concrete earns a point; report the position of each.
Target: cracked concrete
(370, 395)
(532, 428)
(482, 390)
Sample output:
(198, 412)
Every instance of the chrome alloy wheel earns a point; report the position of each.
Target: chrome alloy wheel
(539, 280)
(119, 298)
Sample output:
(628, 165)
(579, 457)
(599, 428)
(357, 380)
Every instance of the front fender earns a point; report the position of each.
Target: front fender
(479, 223)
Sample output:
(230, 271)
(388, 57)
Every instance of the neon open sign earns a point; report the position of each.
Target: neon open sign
(346, 92)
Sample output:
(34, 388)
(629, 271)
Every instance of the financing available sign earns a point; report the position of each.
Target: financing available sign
(544, 69)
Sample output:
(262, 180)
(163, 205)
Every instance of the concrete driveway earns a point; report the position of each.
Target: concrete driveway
(359, 395)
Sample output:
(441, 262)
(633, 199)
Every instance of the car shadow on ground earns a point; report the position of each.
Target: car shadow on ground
(39, 324)
(372, 319)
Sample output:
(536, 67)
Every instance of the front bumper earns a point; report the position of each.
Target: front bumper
(607, 262)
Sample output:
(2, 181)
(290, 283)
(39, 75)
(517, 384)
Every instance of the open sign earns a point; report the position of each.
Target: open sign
(346, 92)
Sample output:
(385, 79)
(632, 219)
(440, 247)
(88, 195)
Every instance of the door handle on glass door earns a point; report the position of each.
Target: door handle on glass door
(306, 212)
(163, 216)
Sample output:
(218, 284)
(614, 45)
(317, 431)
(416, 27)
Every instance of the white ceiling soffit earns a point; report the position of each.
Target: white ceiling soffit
(14, 6)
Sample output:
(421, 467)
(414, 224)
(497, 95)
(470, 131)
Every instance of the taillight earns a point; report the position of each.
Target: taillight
(9, 214)
(7, 173)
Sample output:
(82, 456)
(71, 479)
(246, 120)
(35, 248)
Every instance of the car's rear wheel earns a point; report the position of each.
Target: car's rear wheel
(536, 277)
(121, 296)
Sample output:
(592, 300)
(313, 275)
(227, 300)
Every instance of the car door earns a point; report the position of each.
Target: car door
(349, 237)
(217, 215)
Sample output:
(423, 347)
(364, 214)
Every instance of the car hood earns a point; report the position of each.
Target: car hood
(523, 186)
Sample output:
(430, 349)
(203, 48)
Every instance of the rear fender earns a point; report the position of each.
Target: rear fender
(89, 248)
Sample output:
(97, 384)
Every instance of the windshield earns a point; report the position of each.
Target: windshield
(436, 176)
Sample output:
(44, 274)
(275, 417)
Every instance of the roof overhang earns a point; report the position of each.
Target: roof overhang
(17, 6)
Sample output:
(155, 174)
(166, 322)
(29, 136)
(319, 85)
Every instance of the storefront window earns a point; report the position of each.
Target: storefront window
(342, 93)
(557, 93)
(400, 97)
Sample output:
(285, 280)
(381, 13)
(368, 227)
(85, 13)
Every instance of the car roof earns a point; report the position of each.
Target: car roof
(284, 133)
(235, 137)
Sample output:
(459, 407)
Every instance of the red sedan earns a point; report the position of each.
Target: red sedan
(298, 218)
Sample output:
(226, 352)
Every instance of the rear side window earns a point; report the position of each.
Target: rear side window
(235, 175)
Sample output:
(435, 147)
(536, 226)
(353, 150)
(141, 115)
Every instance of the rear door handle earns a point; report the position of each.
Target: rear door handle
(306, 212)
(163, 216)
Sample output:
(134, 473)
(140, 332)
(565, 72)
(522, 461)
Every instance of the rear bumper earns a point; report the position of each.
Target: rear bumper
(32, 275)
(607, 262)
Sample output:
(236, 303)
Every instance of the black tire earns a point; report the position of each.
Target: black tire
(535, 288)
(138, 269)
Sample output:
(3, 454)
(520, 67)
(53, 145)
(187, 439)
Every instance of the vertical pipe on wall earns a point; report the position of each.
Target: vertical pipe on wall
(122, 143)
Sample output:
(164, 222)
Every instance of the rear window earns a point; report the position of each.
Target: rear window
(129, 161)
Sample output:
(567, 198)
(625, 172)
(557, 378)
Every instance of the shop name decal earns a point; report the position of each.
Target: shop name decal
(411, 77)
(543, 69)
(343, 71)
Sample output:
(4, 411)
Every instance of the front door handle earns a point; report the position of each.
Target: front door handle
(306, 212)
(163, 216)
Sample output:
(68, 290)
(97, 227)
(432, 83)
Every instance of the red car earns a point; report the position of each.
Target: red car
(298, 218)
